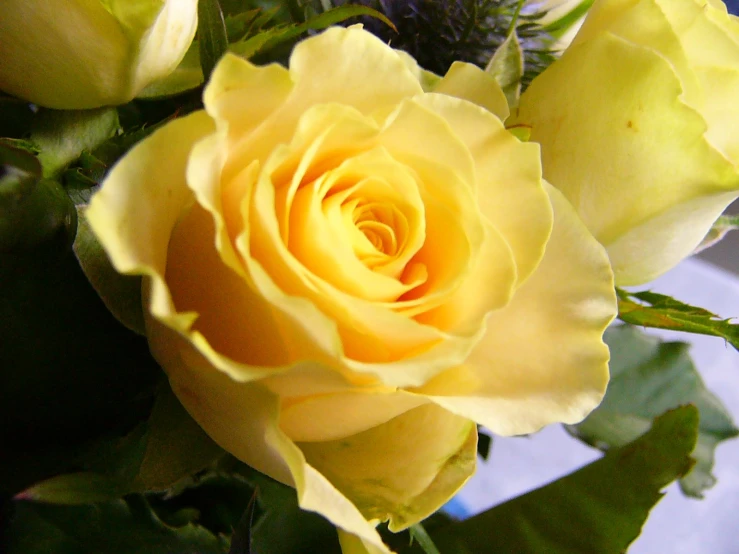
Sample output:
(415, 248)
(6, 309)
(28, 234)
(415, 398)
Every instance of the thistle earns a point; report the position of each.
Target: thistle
(437, 33)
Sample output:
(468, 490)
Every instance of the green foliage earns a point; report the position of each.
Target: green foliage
(32, 209)
(650, 309)
(649, 377)
(126, 526)
(506, 65)
(719, 230)
(251, 33)
(61, 136)
(212, 36)
(437, 33)
(120, 293)
(166, 449)
(598, 509)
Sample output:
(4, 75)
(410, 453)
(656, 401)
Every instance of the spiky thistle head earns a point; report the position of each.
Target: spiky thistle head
(439, 32)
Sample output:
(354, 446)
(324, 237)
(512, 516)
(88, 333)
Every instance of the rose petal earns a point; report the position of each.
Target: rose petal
(336, 65)
(243, 419)
(144, 195)
(403, 470)
(625, 165)
(508, 172)
(337, 415)
(542, 359)
(469, 82)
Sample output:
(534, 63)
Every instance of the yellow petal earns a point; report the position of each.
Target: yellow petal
(240, 95)
(164, 41)
(66, 54)
(508, 172)
(469, 82)
(351, 544)
(403, 470)
(542, 359)
(144, 195)
(243, 418)
(645, 23)
(622, 147)
(334, 66)
(337, 415)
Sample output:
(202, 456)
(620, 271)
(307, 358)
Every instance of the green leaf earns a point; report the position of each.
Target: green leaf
(274, 36)
(649, 377)
(121, 294)
(506, 65)
(650, 309)
(598, 509)
(176, 447)
(212, 35)
(255, 40)
(718, 231)
(157, 454)
(283, 527)
(61, 136)
(127, 526)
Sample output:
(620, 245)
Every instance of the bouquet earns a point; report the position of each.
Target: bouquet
(275, 274)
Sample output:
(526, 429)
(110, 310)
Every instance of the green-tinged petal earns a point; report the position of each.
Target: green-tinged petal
(67, 54)
(509, 185)
(672, 229)
(403, 470)
(469, 82)
(163, 43)
(543, 359)
(622, 147)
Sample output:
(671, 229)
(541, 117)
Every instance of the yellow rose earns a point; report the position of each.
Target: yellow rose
(79, 54)
(637, 125)
(344, 273)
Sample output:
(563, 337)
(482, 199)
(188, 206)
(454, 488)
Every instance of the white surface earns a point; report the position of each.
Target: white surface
(677, 525)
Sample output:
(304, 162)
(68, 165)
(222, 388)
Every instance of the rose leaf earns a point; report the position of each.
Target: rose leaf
(648, 377)
(599, 508)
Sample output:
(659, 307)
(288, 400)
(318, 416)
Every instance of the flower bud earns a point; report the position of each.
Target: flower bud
(79, 54)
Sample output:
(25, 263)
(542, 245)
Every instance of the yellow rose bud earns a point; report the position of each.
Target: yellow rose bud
(79, 54)
(345, 273)
(637, 124)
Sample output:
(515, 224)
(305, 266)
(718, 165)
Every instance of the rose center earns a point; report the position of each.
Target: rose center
(376, 223)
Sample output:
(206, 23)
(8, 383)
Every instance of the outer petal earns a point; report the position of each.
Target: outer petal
(543, 359)
(164, 42)
(469, 82)
(403, 470)
(142, 213)
(67, 54)
(144, 195)
(617, 141)
(335, 66)
(243, 418)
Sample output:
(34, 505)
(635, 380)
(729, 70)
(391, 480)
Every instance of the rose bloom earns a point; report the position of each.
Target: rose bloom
(344, 274)
(79, 54)
(637, 123)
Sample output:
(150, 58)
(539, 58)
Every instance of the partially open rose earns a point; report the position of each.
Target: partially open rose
(345, 273)
(637, 124)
